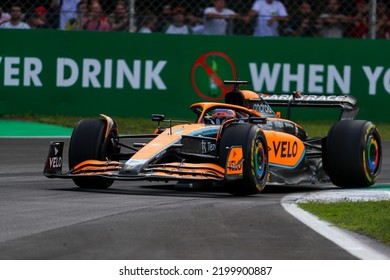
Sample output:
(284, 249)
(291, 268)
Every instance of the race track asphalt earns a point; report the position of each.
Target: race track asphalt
(48, 219)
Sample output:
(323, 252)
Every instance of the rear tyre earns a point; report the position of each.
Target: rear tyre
(88, 143)
(353, 154)
(255, 152)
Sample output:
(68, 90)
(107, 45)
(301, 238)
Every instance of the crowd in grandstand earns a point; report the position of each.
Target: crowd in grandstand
(265, 18)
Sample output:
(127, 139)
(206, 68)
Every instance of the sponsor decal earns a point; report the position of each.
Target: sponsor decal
(287, 97)
(235, 161)
(54, 160)
(208, 147)
(236, 166)
(285, 149)
(208, 74)
(263, 108)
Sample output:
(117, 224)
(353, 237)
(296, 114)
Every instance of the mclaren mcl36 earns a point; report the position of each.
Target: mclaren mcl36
(241, 144)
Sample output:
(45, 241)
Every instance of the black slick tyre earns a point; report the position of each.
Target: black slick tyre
(353, 154)
(255, 153)
(88, 143)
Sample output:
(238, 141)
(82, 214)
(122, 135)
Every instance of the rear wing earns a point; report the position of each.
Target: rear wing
(264, 102)
(346, 103)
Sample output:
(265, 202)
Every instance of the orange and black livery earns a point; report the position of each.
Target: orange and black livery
(241, 144)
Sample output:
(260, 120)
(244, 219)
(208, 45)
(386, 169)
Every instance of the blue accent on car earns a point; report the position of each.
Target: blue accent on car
(290, 167)
(209, 130)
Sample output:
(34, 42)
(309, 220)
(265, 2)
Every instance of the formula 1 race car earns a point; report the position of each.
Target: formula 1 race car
(241, 144)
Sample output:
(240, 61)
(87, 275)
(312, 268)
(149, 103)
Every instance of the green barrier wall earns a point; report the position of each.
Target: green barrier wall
(121, 74)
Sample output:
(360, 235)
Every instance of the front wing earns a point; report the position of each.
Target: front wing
(174, 171)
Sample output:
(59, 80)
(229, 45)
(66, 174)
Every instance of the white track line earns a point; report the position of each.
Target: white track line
(340, 237)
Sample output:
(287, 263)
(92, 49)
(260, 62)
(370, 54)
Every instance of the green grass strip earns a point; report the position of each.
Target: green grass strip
(15, 128)
(370, 218)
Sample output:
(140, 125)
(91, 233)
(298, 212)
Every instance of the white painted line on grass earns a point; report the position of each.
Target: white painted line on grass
(340, 237)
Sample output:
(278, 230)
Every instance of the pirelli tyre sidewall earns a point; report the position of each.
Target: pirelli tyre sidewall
(353, 153)
(257, 165)
(88, 143)
(255, 152)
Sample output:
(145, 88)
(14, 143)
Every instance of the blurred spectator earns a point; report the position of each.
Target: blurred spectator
(148, 24)
(15, 21)
(269, 13)
(215, 18)
(333, 22)
(303, 24)
(178, 26)
(359, 21)
(75, 23)
(196, 21)
(37, 18)
(165, 18)
(4, 16)
(94, 21)
(119, 19)
(67, 10)
(383, 21)
(81, 12)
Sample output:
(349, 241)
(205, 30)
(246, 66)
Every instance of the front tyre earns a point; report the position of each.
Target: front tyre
(353, 154)
(88, 143)
(255, 153)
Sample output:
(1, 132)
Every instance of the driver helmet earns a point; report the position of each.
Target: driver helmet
(220, 116)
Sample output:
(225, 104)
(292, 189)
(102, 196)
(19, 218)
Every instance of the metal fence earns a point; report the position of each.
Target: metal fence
(312, 18)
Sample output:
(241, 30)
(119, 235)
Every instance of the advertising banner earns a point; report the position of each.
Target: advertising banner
(123, 74)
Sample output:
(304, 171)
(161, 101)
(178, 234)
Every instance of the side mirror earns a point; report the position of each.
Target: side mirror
(158, 117)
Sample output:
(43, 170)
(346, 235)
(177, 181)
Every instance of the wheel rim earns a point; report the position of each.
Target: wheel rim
(260, 160)
(372, 153)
